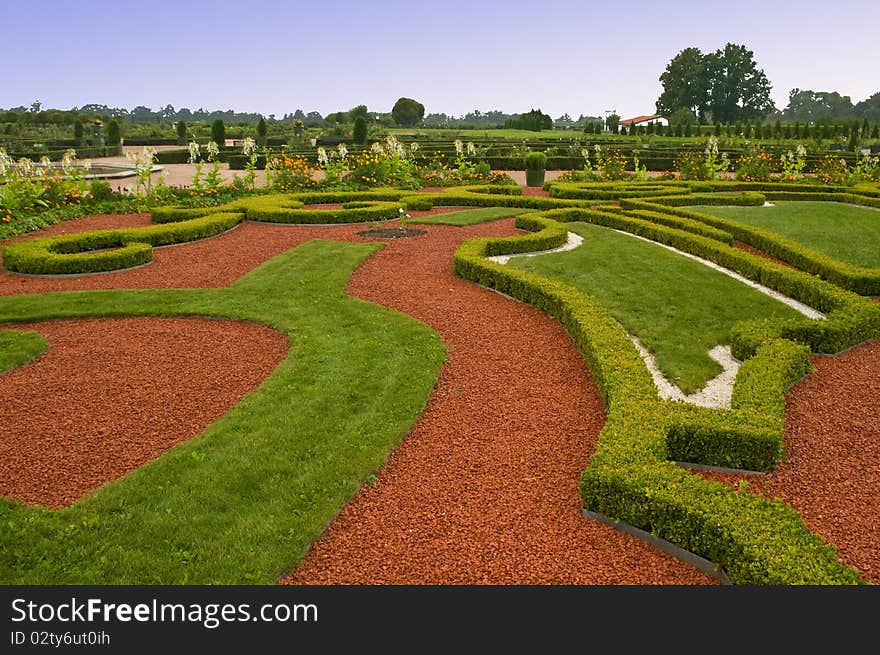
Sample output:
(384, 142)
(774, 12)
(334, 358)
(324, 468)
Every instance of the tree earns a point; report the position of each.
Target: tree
(261, 131)
(685, 84)
(181, 133)
(359, 133)
(869, 109)
(611, 122)
(218, 132)
(813, 106)
(408, 112)
(114, 135)
(683, 116)
(360, 110)
(738, 90)
(78, 132)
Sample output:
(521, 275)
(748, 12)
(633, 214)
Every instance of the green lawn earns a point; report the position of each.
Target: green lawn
(677, 307)
(470, 216)
(241, 502)
(16, 348)
(848, 233)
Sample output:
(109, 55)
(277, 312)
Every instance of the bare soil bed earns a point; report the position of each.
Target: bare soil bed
(109, 395)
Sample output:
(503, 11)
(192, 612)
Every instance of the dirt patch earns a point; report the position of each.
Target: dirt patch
(831, 475)
(110, 395)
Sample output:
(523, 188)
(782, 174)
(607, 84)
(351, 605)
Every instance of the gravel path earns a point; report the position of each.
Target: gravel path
(109, 395)
(832, 471)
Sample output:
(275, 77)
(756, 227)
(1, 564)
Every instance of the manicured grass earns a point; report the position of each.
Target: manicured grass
(848, 233)
(16, 348)
(471, 216)
(677, 307)
(241, 502)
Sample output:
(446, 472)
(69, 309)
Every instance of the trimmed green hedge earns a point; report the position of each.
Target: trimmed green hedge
(685, 224)
(108, 250)
(861, 280)
(357, 211)
(609, 191)
(630, 477)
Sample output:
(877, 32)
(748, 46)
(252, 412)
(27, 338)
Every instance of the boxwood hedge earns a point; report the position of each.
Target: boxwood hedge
(631, 477)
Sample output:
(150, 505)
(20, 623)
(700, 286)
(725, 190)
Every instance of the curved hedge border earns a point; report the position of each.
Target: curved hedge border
(609, 190)
(108, 250)
(630, 477)
(862, 280)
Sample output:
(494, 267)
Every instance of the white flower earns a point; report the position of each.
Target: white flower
(26, 166)
(801, 151)
(712, 146)
(459, 146)
(323, 159)
(413, 147)
(87, 164)
(194, 151)
(377, 148)
(5, 162)
(45, 162)
(342, 150)
(68, 160)
(249, 147)
(213, 150)
(585, 153)
(471, 150)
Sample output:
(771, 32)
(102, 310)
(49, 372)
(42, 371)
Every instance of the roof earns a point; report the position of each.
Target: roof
(640, 119)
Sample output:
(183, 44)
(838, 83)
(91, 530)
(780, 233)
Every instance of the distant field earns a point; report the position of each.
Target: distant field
(678, 308)
(848, 233)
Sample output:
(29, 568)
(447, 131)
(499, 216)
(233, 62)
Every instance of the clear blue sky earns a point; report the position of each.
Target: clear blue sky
(453, 56)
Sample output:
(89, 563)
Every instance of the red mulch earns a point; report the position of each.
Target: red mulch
(109, 395)
(484, 489)
(831, 474)
(535, 191)
(759, 253)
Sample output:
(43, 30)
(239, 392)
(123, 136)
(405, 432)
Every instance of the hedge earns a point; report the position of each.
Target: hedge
(116, 249)
(862, 280)
(609, 191)
(851, 319)
(630, 479)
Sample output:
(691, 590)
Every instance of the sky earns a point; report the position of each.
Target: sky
(453, 56)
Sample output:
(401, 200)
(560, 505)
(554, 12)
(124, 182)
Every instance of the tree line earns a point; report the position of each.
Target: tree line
(726, 86)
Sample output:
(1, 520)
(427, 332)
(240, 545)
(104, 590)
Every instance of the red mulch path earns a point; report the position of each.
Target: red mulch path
(832, 472)
(485, 487)
(109, 395)
(535, 191)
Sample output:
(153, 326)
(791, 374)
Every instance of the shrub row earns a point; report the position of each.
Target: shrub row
(355, 211)
(858, 279)
(684, 224)
(629, 478)
(851, 319)
(609, 191)
(108, 250)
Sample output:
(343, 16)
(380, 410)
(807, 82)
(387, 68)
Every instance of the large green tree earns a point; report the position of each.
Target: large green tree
(408, 112)
(738, 89)
(869, 109)
(685, 84)
(813, 106)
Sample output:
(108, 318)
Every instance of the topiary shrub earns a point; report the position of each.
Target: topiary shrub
(218, 132)
(359, 132)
